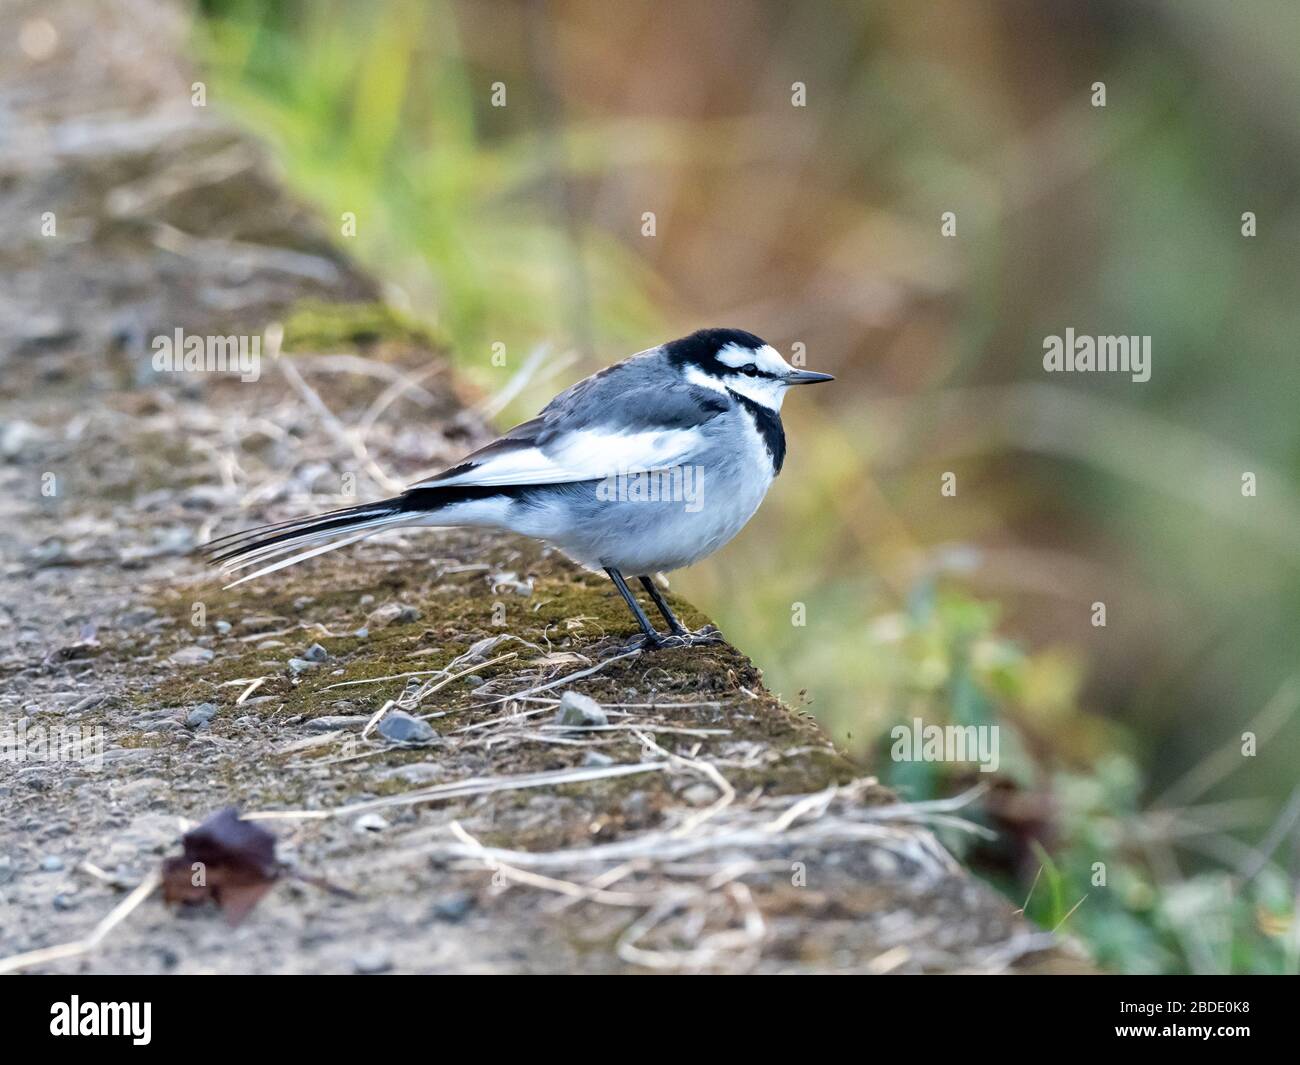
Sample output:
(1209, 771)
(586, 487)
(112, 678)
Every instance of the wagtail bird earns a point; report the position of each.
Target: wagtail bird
(647, 466)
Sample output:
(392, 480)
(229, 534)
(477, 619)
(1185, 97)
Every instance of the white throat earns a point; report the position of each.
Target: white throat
(763, 391)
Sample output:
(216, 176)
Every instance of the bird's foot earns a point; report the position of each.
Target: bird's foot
(683, 638)
(643, 641)
(706, 634)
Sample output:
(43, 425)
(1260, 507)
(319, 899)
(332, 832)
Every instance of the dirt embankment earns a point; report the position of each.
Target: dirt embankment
(696, 823)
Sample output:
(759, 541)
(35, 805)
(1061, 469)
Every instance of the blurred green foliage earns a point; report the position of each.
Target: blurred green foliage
(373, 110)
(1094, 866)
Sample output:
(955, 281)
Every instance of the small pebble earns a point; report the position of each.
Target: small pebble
(595, 758)
(315, 653)
(370, 823)
(331, 722)
(453, 907)
(699, 795)
(150, 728)
(200, 715)
(372, 961)
(16, 438)
(260, 622)
(51, 863)
(392, 614)
(636, 807)
(398, 726)
(191, 656)
(580, 710)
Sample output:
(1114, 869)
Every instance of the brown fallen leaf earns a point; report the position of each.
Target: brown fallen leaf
(232, 863)
(227, 861)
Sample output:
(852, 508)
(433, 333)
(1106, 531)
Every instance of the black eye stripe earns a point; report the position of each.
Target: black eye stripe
(718, 368)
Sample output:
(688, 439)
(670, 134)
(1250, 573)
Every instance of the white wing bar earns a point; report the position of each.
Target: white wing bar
(583, 455)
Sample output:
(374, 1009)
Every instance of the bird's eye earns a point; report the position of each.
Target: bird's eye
(749, 370)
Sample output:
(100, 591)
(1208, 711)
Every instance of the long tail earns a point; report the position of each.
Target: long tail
(318, 534)
(424, 505)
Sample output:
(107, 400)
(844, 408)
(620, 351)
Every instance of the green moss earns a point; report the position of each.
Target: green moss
(320, 327)
(135, 740)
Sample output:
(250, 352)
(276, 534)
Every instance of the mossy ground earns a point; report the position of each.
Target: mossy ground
(571, 619)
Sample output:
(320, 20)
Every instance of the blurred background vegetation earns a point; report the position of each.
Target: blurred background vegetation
(523, 225)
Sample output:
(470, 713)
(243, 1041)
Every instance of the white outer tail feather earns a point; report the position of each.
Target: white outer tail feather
(325, 541)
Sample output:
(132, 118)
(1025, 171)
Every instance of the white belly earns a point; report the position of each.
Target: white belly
(625, 528)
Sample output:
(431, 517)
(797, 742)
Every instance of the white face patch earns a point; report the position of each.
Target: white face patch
(767, 391)
(766, 358)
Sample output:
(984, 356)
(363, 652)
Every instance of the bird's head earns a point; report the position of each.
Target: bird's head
(722, 359)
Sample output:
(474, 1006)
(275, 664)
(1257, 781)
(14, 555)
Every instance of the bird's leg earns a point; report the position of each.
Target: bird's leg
(652, 638)
(678, 628)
